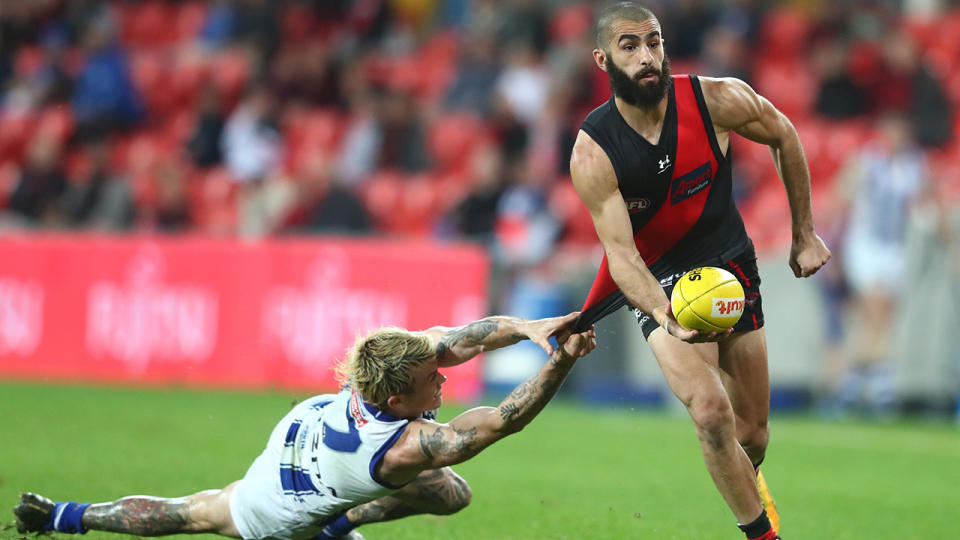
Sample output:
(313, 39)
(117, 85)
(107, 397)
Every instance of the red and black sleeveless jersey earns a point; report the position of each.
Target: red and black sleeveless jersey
(678, 192)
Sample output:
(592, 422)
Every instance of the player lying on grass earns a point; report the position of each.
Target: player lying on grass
(370, 453)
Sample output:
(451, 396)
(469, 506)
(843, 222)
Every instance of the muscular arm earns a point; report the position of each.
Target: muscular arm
(457, 345)
(429, 445)
(734, 106)
(596, 183)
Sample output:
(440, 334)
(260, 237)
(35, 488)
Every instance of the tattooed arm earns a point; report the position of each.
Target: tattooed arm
(429, 445)
(457, 345)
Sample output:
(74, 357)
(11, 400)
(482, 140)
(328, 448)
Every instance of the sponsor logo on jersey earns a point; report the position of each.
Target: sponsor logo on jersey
(664, 164)
(727, 307)
(355, 411)
(636, 205)
(668, 281)
(688, 185)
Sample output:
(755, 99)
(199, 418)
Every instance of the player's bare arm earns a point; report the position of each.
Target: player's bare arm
(457, 345)
(735, 106)
(431, 445)
(596, 183)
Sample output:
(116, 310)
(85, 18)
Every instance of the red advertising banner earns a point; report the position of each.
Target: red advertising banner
(199, 311)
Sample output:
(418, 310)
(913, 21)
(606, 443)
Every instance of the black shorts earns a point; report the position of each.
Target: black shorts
(744, 266)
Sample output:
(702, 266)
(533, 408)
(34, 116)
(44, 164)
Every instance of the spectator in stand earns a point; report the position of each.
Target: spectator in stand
(908, 84)
(37, 198)
(256, 26)
(524, 83)
(526, 229)
(882, 184)
(171, 212)
(104, 99)
(402, 144)
(724, 54)
(472, 89)
(324, 205)
(100, 199)
(687, 22)
(839, 96)
(51, 82)
(358, 154)
(475, 216)
(523, 23)
(251, 140)
(308, 75)
(220, 24)
(203, 146)
(252, 149)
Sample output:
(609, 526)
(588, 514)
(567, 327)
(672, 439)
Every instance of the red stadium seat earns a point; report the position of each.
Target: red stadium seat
(382, 196)
(15, 131)
(151, 73)
(213, 196)
(147, 24)
(189, 73)
(28, 60)
(783, 33)
(564, 203)
(190, 19)
(420, 203)
(310, 131)
(230, 72)
(56, 121)
(297, 23)
(570, 22)
(788, 84)
(9, 174)
(452, 138)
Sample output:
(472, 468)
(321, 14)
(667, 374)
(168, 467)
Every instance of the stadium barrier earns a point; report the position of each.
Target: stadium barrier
(225, 313)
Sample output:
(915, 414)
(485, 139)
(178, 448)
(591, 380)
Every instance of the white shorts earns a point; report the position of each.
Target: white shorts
(873, 266)
(258, 506)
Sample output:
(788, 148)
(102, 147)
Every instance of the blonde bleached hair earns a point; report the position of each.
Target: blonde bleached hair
(380, 364)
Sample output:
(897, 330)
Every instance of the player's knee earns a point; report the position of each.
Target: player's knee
(754, 441)
(460, 496)
(713, 419)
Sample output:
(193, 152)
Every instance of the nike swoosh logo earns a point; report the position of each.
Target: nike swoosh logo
(663, 170)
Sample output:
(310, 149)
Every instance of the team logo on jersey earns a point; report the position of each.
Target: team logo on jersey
(690, 184)
(636, 205)
(664, 164)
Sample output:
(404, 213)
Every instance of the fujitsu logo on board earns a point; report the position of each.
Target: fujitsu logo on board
(143, 319)
(21, 316)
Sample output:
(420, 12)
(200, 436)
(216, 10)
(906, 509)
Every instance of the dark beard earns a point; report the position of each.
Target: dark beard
(634, 92)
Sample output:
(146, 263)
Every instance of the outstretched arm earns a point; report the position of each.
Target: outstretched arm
(457, 345)
(736, 107)
(429, 445)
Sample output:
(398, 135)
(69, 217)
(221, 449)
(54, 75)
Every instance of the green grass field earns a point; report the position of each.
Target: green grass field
(574, 473)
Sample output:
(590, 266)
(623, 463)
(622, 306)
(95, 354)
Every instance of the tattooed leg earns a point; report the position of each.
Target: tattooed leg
(438, 491)
(142, 516)
(203, 512)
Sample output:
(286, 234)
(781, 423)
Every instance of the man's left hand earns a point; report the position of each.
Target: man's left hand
(541, 330)
(807, 255)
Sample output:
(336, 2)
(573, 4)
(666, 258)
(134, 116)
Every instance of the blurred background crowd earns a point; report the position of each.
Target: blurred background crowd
(453, 120)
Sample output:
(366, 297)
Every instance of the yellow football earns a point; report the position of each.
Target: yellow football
(708, 299)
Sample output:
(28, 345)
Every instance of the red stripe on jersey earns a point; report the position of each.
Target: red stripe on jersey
(672, 221)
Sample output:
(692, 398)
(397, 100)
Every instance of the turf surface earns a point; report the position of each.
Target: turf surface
(574, 473)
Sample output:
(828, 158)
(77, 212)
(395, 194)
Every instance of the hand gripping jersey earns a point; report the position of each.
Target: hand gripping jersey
(319, 462)
(678, 192)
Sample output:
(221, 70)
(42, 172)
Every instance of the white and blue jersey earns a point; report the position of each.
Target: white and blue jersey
(319, 462)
